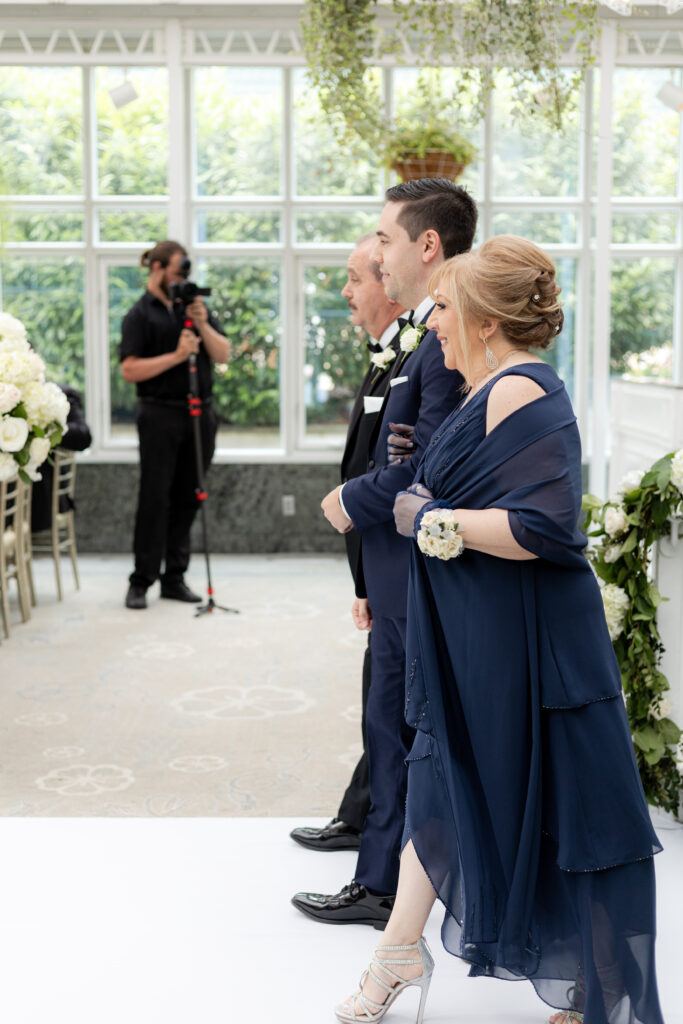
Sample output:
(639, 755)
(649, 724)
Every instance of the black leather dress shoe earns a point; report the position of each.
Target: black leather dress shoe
(135, 598)
(179, 592)
(336, 835)
(353, 905)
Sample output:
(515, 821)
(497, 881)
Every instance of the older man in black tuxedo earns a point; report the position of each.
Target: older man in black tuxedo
(379, 316)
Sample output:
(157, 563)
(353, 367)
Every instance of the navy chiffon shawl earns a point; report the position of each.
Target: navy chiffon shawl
(524, 802)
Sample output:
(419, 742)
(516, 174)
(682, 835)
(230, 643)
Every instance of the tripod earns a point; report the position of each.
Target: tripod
(195, 409)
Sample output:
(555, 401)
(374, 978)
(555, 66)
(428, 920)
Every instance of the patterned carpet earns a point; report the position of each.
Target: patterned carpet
(117, 713)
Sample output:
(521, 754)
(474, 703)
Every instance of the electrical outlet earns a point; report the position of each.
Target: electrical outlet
(288, 505)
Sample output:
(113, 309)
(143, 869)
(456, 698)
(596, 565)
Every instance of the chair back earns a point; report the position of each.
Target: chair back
(10, 503)
(64, 479)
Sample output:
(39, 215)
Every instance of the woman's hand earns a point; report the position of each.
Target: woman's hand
(401, 443)
(407, 505)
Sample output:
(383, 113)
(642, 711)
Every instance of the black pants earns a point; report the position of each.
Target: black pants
(167, 503)
(356, 800)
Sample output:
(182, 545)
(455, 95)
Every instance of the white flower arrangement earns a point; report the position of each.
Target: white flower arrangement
(410, 337)
(677, 470)
(384, 358)
(33, 411)
(437, 536)
(615, 520)
(616, 602)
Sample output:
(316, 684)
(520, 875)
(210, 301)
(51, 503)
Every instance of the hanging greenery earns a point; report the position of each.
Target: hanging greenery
(626, 529)
(343, 38)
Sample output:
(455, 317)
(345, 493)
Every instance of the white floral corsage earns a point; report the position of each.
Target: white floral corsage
(410, 337)
(438, 535)
(384, 358)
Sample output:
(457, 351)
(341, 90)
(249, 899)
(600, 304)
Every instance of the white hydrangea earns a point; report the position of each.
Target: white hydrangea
(12, 333)
(677, 470)
(45, 404)
(19, 367)
(13, 433)
(616, 602)
(630, 482)
(615, 520)
(10, 396)
(8, 467)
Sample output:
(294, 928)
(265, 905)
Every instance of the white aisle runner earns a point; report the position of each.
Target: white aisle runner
(188, 921)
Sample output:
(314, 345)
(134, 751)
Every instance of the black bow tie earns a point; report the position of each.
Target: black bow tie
(404, 321)
(374, 346)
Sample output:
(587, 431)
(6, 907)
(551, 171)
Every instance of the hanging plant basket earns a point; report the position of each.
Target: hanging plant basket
(434, 164)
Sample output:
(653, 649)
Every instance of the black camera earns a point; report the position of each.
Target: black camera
(185, 292)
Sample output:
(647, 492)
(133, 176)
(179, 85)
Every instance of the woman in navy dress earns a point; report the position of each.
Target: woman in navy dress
(525, 814)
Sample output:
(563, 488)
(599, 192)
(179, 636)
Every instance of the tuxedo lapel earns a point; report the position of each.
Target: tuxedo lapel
(397, 369)
(374, 383)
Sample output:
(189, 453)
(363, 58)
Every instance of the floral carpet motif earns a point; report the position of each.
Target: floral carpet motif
(117, 713)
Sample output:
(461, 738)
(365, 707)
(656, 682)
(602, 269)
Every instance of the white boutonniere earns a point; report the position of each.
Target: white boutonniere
(410, 337)
(383, 359)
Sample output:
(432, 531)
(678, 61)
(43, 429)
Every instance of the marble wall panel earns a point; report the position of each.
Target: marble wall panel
(244, 508)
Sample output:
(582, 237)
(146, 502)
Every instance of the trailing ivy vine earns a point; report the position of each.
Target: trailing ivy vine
(343, 38)
(626, 528)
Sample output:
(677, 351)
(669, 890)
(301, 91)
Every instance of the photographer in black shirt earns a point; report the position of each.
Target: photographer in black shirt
(155, 348)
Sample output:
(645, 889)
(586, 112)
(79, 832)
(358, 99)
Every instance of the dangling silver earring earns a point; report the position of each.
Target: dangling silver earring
(491, 361)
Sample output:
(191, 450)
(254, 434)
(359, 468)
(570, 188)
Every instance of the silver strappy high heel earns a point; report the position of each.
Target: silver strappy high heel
(372, 1012)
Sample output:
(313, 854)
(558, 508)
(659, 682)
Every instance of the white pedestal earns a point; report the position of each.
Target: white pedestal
(647, 422)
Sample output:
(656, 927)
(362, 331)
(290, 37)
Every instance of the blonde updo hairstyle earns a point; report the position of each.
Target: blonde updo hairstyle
(507, 279)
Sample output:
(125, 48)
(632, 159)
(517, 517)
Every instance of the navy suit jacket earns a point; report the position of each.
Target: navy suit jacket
(423, 393)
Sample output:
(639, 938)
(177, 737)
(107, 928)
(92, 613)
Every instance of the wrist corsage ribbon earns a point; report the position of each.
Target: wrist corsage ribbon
(438, 536)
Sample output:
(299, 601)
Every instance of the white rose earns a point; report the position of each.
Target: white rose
(12, 331)
(661, 708)
(410, 339)
(382, 359)
(10, 395)
(610, 552)
(677, 470)
(38, 450)
(616, 603)
(615, 520)
(31, 470)
(13, 433)
(630, 482)
(8, 467)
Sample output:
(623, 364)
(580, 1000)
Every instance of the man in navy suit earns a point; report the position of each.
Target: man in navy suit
(423, 223)
(372, 310)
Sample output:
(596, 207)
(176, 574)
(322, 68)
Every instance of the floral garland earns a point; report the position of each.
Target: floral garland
(33, 411)
(626, 528)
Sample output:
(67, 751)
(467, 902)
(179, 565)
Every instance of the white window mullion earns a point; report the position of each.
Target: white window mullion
(95, 356)
(291, 287)
(582, 322)
(601, 310)
(177, 135)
